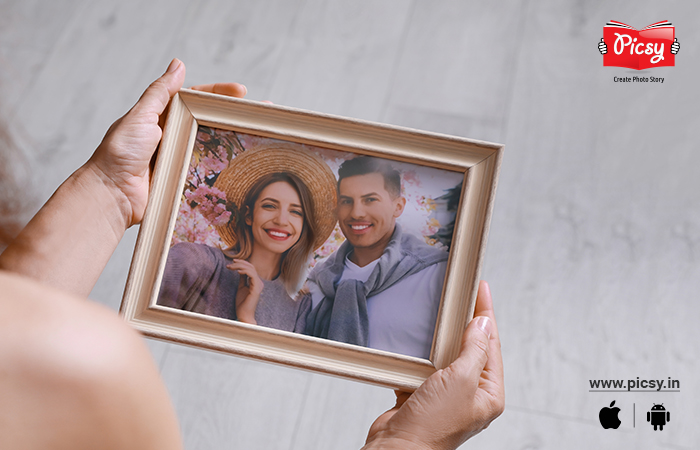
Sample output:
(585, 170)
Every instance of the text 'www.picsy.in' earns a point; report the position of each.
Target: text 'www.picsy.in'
(635, 385)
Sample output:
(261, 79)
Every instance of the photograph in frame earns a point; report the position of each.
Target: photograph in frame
(258, 190)
(400, 317)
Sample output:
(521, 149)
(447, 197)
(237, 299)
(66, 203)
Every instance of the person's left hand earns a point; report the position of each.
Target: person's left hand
(122, 159)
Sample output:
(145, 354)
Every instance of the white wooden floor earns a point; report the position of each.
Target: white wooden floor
(594, 252)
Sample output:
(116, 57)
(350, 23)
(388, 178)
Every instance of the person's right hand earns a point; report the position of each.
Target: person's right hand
(249, 288)
(123, 158)
(454, 403)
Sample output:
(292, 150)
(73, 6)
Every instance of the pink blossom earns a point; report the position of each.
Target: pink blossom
(203, 136)
(191, 226)
(411, 177)
(213, 162)
(331, 245)
(210, 203)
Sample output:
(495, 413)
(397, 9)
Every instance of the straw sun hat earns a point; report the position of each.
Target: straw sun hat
(246, 168)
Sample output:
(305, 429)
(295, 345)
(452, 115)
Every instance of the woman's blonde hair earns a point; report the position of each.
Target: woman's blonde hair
(295, 260)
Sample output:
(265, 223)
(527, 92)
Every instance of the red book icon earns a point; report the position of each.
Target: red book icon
(639, 49)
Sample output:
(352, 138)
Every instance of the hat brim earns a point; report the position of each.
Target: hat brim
(248, 167)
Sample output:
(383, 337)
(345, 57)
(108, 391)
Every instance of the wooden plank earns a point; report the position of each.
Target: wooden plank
(456, 68)
(339, 57)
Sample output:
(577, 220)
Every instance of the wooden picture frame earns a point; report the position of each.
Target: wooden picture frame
(478, 163)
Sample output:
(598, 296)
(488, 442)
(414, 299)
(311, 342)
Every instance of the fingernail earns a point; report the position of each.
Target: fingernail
(245, 89)
(484, 324)
(487, 288)
(174, 64)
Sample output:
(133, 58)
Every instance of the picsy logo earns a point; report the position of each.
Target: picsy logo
(653, 46)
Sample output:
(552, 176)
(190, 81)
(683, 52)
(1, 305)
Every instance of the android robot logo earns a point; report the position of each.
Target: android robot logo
(658, 416)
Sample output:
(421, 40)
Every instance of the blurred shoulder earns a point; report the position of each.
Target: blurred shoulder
(64, 356)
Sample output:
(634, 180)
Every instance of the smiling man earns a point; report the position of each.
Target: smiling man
(382, 287)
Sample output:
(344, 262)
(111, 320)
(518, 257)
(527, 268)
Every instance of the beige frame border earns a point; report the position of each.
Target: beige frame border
(478, 160)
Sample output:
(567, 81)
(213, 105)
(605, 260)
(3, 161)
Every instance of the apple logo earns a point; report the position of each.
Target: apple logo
(608, 416)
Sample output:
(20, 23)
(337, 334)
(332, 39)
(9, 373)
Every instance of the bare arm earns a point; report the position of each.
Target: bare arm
(73, 375)
(68, 243)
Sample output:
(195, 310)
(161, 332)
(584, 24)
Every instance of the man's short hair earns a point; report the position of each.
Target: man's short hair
(363, 165)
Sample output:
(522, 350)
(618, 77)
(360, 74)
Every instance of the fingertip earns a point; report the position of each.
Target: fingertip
(237, 90)
(173, 78)
(486, 289)
(174, 66)
(484, 304)
(156, 97)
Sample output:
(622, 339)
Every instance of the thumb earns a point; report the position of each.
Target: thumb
(475, 346)
(155, 99)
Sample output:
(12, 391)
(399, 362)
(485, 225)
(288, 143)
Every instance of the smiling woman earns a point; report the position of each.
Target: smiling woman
(274, 194)
(277, 218)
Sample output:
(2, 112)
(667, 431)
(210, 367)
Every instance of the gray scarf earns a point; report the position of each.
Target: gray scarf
(342, 314)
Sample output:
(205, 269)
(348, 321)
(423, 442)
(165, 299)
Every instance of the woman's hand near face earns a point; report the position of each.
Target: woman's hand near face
(248, 293)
